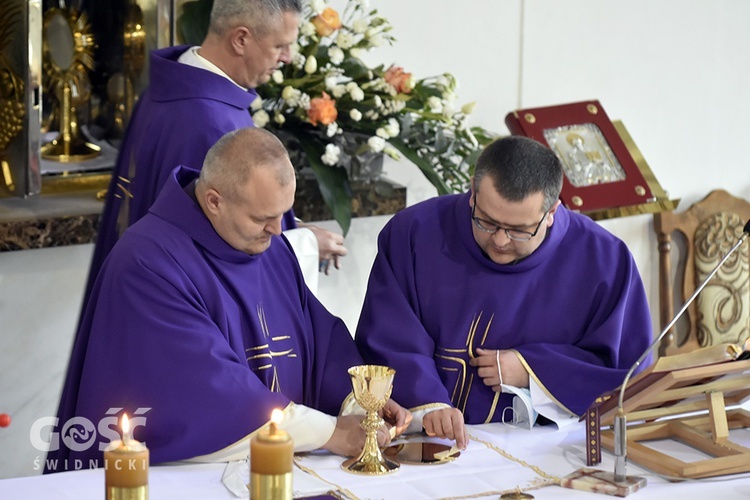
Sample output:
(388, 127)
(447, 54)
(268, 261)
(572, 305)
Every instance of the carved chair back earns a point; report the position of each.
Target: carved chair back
(721, 312)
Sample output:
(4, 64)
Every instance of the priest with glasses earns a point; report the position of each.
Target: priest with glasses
(500, 301)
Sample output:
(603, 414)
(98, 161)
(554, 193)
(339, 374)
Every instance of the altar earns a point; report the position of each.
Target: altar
(499, 458)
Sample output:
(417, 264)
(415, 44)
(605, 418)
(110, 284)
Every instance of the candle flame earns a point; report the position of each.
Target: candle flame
(126, 437)
(277, 416)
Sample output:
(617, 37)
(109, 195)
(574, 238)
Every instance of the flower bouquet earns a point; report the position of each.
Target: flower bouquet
(335, 113)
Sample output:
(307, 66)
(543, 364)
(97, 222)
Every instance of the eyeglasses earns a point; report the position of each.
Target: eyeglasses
(492, 228)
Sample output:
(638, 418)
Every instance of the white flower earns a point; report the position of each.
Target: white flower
(311, 65)
(298, 60)
(307, 29)
(356, 93)
(279, 118)
(332, 129)
(448, 109)
(260, 118)
(336, 55)
(291, 96)
(355, 115)
(381, 132)
(256, 104)
(338, 91)
(317, 6)
(360, 26)
(376, 144)
(304, 101)
(331, 156)
(289, 93)
(345, 40)
(278, 76)
(393, 106)
(393, 128)
(356, 53)
(377, 101)
(435, 104)
(468, 108)
(331, 83)
(377, 40)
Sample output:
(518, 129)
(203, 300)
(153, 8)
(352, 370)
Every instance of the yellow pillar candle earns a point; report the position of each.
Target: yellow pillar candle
(126, 467)
(271, 461)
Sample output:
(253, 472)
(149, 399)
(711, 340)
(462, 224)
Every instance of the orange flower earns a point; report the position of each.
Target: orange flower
(326, 22)
(322, 110)
(401, 81)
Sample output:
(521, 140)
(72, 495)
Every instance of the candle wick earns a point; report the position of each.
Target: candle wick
(273, 428)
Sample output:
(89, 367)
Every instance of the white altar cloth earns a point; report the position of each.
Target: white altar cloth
(482, 468)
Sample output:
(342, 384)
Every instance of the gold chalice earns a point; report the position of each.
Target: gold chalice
(372, 387)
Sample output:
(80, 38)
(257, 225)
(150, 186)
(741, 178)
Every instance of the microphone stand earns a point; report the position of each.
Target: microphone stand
(620, 431)
(619, 483)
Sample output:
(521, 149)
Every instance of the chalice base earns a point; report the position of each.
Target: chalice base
(374, 466)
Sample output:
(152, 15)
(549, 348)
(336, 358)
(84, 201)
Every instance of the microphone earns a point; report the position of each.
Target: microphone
(620, 431)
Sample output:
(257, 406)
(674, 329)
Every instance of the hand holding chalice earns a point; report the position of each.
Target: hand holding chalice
(372, 387)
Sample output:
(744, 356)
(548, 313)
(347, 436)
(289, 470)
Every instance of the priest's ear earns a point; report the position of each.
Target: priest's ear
(552, 211)
(210, 201)
(240, 39)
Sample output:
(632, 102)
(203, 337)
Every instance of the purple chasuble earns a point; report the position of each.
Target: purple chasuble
(575, 310)
(202, 340)
(184, 111)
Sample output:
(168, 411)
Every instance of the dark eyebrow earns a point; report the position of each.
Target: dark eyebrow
(496, 223)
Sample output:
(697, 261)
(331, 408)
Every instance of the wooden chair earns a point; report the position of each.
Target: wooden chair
(721, 312)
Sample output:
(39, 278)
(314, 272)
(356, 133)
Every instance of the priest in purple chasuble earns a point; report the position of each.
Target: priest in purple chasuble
(195, 96)
(502, 286)
(201, 324)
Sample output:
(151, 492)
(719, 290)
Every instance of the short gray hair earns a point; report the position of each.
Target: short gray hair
(519, 167)
(257, 15)
(230, 162)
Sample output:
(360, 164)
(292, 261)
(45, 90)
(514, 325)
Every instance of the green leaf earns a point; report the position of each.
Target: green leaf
(424, 166)
(333, 184)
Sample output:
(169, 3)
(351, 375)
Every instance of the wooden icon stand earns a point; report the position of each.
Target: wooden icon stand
(684, 398)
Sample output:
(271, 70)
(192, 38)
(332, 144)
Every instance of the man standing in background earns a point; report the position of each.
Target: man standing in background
(195, 96)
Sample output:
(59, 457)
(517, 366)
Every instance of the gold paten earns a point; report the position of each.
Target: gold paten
(421, 453)
(68, 49)
(372, 387)
(515, 494)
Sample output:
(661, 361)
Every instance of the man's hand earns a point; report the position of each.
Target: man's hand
(330, 246)
(446, 423)
(348, 437)
(495, 366)
(396, 416)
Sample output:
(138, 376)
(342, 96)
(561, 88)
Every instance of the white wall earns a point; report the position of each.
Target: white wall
(675, 72)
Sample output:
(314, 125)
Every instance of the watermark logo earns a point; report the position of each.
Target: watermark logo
(80, 433)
